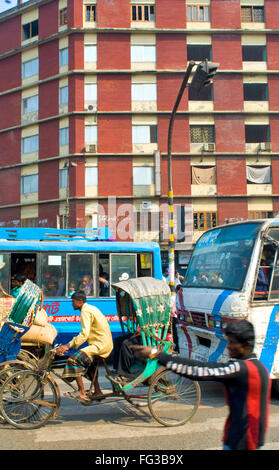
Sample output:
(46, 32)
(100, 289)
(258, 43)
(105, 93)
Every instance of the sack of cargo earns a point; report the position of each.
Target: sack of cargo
(40, 317)
(40, 334)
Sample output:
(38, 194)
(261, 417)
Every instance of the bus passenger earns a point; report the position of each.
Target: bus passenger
(86, 284)
(96, 331)
(17, 283)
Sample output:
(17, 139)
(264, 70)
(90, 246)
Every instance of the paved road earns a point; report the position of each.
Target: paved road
(120, 426)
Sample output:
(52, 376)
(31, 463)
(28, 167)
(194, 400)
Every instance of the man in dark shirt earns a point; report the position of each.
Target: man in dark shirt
(246, 382)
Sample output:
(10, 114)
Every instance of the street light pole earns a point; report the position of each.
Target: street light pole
(170, 189)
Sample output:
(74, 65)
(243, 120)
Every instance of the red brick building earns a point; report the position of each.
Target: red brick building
(86, 92)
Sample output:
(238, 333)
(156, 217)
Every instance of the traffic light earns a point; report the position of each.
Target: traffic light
(204, 74)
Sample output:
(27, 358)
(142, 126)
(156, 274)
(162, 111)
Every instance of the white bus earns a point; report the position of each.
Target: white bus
(233, 274)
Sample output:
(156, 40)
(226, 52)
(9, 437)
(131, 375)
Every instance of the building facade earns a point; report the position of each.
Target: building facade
(86, 93)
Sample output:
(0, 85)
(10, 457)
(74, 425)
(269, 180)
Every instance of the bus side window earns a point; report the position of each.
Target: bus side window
(53, 274)
(122, 268)
(80, 274)
(144, 265)
(4, 273)
(104, 281)
(265, 274)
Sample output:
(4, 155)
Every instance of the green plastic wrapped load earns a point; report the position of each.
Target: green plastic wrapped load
(24, 309)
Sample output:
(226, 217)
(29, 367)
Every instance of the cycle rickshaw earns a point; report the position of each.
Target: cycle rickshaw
(30, 398)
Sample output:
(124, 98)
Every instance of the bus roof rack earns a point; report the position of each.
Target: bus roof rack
(35, 233)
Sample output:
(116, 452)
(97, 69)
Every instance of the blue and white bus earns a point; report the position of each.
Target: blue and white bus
(233, 274)
(62, 261)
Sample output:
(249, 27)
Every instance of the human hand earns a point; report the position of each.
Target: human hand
(62, 349)
(141, 351)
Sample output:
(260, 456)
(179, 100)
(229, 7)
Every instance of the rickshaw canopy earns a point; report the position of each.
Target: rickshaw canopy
(144, 301)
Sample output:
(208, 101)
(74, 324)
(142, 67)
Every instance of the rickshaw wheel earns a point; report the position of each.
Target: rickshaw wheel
(173, 399)
(7, 369)
(28, 400)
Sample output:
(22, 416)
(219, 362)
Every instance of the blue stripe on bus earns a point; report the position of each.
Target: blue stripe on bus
(217, 318)
(271, 340)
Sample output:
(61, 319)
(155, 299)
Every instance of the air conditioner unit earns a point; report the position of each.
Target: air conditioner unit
(209, 147)
(91, 107)
(91, 148)
(265, 146)
(146, 205)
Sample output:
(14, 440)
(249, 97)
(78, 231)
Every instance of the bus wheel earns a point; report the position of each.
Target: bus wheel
(275, 385)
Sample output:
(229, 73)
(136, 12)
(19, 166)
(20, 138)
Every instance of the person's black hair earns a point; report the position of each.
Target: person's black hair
(79, 295)
(19, 278)
(242, 331)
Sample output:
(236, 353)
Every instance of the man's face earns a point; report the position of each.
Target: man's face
(236, 349)
(77, 304)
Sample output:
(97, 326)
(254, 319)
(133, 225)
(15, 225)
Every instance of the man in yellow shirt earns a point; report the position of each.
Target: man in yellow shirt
(96, 331)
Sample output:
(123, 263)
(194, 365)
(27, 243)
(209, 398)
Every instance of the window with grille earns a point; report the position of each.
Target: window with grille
(260, 215)
(255, 91)
(146, 221)
(143, 13)
(63, 17)
(252, 14)
(205, 220)
(90, 13)
(202, 134)
(62, 221)
(198, 13)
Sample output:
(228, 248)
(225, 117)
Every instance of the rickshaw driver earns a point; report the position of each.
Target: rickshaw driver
(96, 331)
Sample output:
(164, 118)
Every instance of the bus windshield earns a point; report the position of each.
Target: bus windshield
(221, 257)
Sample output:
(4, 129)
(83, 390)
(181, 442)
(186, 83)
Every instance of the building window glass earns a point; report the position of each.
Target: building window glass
(205, 94)
(143, 175)
(143, 54)
(30, 105)
(30, 222)
(29, 184)
(90, 53)
(144, 92)
(144, 134)
(143, 13)
(253, 14)
(64, 136)
(252, 215)
(202, 134)
(30, 68)
(63, 178)
(90, 13)
(204, 220)
(30, 144)
(91, 134)
(255, 91)
(257, 133)
(63, 17)
(30, 30)
(63, 57)
(91, 176)
(199, 52)
(90, 92)
(197, 13)
(254, 53)
(63, 95)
